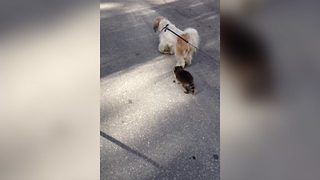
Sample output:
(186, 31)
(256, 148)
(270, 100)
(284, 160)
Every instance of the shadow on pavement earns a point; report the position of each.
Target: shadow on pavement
(135, 152)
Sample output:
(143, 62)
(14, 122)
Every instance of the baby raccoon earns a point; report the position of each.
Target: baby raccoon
(185, 78)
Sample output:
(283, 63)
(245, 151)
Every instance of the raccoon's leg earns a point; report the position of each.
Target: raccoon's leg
(186, 87)
(176, 81)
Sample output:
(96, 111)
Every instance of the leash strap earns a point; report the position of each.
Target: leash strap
(166, 28)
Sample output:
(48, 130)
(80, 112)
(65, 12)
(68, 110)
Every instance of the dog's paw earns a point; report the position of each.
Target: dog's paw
(162, 51)
(165, 52)
(181, 62)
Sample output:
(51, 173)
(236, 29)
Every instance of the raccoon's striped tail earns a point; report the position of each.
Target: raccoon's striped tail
(192, 88)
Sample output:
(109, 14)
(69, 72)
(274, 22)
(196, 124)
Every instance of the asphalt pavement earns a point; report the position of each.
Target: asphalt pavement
(149, 128)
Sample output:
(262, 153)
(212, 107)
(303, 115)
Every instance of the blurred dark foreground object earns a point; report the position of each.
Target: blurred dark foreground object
(245, 53)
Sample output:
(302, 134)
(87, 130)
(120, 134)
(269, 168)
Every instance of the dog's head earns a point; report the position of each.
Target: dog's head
(156, 23)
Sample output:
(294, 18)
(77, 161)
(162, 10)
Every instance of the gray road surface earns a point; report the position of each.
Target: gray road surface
(150, 129)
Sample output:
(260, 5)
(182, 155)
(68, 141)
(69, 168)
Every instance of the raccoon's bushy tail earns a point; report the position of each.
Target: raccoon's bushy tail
(192, 88)
(193, 37)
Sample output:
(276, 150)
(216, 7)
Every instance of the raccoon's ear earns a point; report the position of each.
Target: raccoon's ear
(156, 23)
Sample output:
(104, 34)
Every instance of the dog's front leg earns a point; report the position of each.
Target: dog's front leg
(180, 61)
(162, 47)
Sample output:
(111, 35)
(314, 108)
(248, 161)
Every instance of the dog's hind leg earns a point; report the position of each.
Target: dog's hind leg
(188, 60)
(171, 50)
(188, 57)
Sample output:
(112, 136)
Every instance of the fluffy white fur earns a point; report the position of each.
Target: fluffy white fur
(172, 44)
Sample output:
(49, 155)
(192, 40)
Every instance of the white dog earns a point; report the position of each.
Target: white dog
(172, 44)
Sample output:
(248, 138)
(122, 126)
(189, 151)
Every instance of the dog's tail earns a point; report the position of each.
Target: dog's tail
(193, 37)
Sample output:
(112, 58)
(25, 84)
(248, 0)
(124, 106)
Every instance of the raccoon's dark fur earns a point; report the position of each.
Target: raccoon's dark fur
(185, 78)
